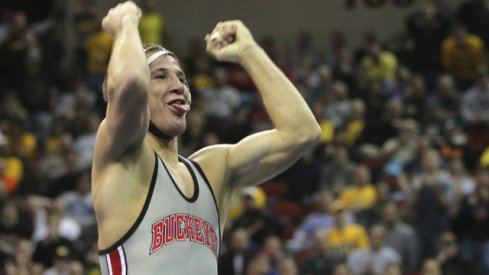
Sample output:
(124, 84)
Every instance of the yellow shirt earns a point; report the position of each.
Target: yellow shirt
(353, 130)
(151, 27)
(343, 241)
(14, 169)
(463, 61)
(202, 81)
(98, 47)
(484, 159)
(359, 197)
(384, 69)
(327, 131)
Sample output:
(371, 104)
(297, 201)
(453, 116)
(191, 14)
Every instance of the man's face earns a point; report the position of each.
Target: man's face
(169, 97)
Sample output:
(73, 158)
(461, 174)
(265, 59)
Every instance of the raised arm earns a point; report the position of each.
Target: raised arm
(264, 155)
(126, 87)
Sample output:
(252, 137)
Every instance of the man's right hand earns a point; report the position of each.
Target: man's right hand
(112, 22)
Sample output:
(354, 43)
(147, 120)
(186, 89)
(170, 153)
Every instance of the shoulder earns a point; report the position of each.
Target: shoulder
(213, 162)
(389, 252)
(358, 254)
(212, 157)
(406, 229)
(356, 228)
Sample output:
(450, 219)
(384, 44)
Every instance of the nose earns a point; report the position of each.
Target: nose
(177, 86)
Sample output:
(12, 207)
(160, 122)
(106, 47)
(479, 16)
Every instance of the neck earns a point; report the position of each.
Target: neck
(165, 148)
(157, 133)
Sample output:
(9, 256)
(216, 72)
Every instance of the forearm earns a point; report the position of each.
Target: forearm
(128, 71)
(286, 107)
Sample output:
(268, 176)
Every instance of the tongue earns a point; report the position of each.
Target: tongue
(181, 108)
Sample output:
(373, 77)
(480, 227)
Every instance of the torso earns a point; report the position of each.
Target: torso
(180, 187)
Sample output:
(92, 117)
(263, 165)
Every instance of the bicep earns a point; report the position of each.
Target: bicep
(260, 157)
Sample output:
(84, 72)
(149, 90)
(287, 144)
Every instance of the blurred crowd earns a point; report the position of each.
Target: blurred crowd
(398, 184)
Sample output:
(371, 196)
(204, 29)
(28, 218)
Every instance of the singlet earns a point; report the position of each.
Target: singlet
(173, 234)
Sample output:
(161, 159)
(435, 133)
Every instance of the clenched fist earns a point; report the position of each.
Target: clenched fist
(112, 22)
(230, 41)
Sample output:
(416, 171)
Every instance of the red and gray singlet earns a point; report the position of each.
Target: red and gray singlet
(173, 234)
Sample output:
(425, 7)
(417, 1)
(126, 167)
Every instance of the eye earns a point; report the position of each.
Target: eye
(161, 76)
(183, 80)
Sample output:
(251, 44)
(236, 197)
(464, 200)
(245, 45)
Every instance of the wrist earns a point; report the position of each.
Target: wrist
(127, 23)
(130, 20)
(250, 54)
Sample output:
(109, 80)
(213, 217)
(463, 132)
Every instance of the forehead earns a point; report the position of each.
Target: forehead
(165, 62)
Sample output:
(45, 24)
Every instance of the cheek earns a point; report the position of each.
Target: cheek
(155, 105)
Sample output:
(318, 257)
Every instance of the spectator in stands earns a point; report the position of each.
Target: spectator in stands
(273, 249)
(446, 97)
(379, 127)
(318, 87)
(11, 167)
(343, 67)
(454, 143)
(341, 269)
(98, 47)
(463, 55)
(361, 194)
(474, 107)
(462, 184)
(338, 104)
(61, 263)
(304, 52)
(221, 99)
(255, 221)
(287, 266)
(449, 256)
(260, 265)
(303, 177)
(337, 173)
(393, 269)
(238, 254)
(34, 92)
(414, 99)
(431, 205)
(373, 215)
(431, 266)
(85, 142)
(78, 202)
(401, 237)
(15, 44)
(475, 15)
(320, 260)
(374, 259)
(15, 224)
(47, 248)
(427, 27)
(319, 220)
(152, 24)
(401, 149)
(355, 123)
(85, 22)
(473, 223)
(380, 64)
(343, 237)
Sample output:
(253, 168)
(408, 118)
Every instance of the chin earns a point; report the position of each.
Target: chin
(176, 132)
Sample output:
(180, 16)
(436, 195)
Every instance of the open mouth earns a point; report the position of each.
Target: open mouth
(177, 102)
(179, 106)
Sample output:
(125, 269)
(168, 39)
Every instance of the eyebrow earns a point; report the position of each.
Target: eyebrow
(166, 70)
